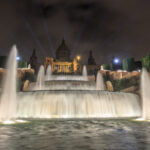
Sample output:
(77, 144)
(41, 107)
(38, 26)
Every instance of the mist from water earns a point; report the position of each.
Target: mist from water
(8, 97)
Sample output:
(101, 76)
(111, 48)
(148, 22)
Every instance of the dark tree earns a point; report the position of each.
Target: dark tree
(146, 62)
(128, 64)
(33, 61)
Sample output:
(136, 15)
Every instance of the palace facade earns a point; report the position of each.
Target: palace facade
(63, 63)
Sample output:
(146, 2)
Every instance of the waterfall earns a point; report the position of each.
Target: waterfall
(145, 92)
(50, 77)
(8, 97)
(40, 78)
(65, 85)
(100, 85)
(77, 104)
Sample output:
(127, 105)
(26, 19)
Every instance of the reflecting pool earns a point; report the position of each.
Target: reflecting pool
(76, 134)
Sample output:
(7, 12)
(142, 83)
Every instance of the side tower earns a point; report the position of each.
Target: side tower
(91, 60)
(33, 61)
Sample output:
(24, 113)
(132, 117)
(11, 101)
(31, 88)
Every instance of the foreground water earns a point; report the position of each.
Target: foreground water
(76, 134)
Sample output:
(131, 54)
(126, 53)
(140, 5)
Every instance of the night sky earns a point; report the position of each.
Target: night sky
(110, 28)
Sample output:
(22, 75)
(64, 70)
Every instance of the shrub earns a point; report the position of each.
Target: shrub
(128, 64)
(106, 67)
(19, 84)
(125, 83)
(146, 62)
(22, 64)
(29, 76)
(111, 66)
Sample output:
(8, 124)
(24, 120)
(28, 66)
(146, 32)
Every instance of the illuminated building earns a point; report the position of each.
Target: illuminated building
(63, 63)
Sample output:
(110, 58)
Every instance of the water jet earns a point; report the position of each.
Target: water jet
(145, 93)
(8, 96)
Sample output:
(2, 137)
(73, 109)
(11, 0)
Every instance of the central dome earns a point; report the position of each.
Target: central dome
(63, 52)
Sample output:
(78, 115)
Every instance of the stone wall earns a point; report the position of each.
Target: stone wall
(123, 81)
(116, 75)
(20, 72)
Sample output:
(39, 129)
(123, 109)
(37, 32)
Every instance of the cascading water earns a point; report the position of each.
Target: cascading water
(8, 97)
(100, 82)
(40, 79)
(145, 92)
(77, 104)
(83, 77)
(65, 85)
(84, 73)
(67, 77)
(49, 73)
(85, 101)
(76, 98)
(71, 102)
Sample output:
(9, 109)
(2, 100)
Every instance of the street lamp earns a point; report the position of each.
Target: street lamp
(18, 58)
(116, 61)
(78, 63)
(78, 58)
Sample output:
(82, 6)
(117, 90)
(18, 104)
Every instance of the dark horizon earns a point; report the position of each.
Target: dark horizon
(108, 28)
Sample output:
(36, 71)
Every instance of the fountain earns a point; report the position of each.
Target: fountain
(40, 78)
(82, 77)
(73, 97)
(29, 66)
(77, 104)
(145, 92)
(48, 73)
(76, 97)
(8, 97)
(84, 73)
(100, 82)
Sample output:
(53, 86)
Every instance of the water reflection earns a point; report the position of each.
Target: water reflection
(5, 138)
(75, 134)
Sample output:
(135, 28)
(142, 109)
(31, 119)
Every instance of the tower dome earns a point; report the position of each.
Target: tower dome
(63, 52)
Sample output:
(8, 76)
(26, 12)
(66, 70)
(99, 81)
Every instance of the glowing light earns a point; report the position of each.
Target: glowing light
(21, 121)
(78, 58)
(116, 60)
(8, 122)
(18, 58)
(119, 70)
(141, 119)
(13, 121)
